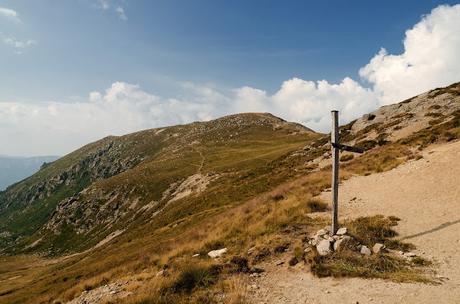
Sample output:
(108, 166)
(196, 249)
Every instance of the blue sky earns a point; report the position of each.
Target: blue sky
(231, 43)
(61, 51)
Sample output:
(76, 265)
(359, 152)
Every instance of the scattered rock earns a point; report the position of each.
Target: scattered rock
(342, 231)
(324, 247)
(217, 253)
(378, 248)
(256, 270)
(281, 248)
(441, 278)
(261, 255)
(410, 254)
(329, 238)
(251, 250)
(109, 293)
(254, 286)
(161, 273)
(321, 232)
(293, 261)
(368, 117)
(195, 255)
(307, 249)
(279, 263)
(341, 242)
(364, 250)
(315, 240)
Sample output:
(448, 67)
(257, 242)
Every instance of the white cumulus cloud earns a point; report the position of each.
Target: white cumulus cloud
(59, 127)
(429, 60)
(9, 14)
(19, 45)
(121, 13)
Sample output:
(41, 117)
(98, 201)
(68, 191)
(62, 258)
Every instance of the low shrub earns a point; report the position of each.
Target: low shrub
(316, 205)
(239, 264)
(192, 276)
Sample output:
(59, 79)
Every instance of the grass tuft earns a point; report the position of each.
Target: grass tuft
(316, 205)
(193, 276)
(347, 263)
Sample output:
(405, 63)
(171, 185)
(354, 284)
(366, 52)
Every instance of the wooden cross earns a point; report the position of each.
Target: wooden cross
(336, 147)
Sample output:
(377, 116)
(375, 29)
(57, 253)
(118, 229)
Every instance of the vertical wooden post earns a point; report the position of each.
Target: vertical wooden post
(335, 170)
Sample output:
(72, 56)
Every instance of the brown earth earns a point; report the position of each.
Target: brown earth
(425, 194)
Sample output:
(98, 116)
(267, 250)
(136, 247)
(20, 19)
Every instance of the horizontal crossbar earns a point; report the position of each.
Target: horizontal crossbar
(348, 148)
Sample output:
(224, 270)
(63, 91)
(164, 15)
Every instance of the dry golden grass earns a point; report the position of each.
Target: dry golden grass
(264, 221)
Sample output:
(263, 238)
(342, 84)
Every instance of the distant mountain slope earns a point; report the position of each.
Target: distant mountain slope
(13, 169)
(158, 175)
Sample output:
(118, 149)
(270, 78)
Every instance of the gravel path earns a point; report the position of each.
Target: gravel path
(425, 194)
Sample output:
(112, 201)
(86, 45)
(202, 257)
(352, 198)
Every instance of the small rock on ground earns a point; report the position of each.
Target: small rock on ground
(364, 250)
(342, 231)
(324, 247)
(217, 253)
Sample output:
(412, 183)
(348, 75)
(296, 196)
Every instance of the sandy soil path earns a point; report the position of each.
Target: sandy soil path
(425, 194)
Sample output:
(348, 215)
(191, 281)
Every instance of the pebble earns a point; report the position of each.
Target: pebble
(364, 250)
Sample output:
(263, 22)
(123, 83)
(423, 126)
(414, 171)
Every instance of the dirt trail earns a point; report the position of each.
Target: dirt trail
(425, 194)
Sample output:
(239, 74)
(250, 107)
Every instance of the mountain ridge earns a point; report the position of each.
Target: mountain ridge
(62, 183)
(145, 206)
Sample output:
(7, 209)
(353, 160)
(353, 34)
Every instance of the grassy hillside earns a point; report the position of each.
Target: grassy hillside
(138, 208)
(121, 182)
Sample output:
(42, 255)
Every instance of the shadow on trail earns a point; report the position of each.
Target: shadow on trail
(440, 227)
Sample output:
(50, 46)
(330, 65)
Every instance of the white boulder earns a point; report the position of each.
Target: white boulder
(324, 247)
(217, 253)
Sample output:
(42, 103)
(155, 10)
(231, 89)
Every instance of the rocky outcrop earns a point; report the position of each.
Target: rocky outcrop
(105, 162)
(399, 120)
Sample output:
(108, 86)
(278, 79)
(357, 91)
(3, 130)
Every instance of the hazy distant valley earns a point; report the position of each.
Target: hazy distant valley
(13, 169)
